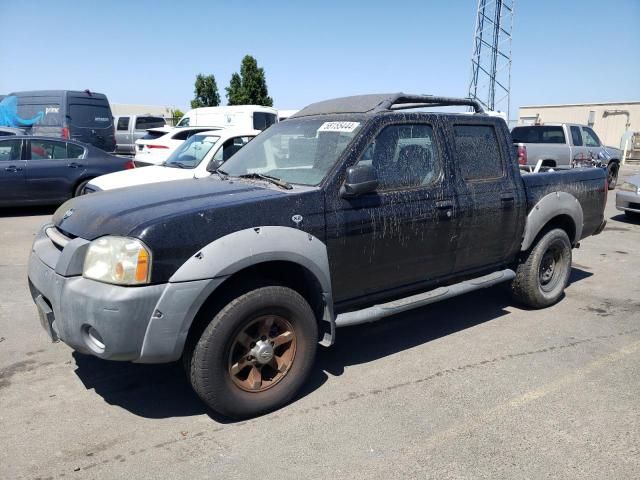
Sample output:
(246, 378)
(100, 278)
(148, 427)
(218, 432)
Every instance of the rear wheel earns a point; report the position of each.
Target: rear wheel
(612, 175)
(543, 275)
(256, 353)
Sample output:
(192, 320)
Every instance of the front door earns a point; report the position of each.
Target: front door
(51, 175)
(12, 167)
(403, 233)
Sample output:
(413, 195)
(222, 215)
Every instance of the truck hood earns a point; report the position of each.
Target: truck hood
(129, 211)
(140, 176)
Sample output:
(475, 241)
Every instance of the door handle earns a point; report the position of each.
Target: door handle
(74, 165)
(445, 209)
(13, 168)
(507, 197)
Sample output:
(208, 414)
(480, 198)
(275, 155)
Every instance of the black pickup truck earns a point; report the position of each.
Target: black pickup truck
(350, 211)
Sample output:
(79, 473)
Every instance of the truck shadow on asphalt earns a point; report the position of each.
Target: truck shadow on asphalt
(162, 391)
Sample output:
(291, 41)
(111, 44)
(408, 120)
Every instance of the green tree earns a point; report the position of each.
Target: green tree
(249, 87)
(206, 92)
(176, 115)
(235, 94)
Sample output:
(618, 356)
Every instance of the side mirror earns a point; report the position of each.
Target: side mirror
(360, 179)
(214, 165)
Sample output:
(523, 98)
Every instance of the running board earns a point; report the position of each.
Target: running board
(378, 312)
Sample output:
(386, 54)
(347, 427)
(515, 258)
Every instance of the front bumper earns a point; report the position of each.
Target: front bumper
(146, 324)
(627, 201)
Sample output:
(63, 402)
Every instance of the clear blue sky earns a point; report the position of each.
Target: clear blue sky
(150, 51)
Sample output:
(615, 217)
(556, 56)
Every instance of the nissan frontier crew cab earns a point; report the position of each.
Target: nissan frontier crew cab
(352, 210)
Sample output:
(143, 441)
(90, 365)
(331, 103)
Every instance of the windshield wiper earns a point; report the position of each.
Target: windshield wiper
(222, 174)
(275, 180)
(177, 164)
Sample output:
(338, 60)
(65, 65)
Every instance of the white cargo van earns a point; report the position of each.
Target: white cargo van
(238, 116)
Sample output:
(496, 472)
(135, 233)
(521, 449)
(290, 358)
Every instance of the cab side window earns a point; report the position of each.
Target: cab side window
(590, 137)
(10, 150)
(403, 156)
(48, 150)
(230, 147)
(478, 152)
(123, 124)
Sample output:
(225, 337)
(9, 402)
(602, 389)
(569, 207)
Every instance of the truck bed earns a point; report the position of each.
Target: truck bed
(588, 185)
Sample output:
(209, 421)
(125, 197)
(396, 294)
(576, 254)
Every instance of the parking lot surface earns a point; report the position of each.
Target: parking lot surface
(473, 387)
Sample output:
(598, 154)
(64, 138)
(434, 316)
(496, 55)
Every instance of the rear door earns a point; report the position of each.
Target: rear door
(51, 175)
(12, 171)
(491, 208)
(403, 234)
(90, 121)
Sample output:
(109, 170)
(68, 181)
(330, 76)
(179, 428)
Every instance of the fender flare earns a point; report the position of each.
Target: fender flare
(212, 264)
(548, 207)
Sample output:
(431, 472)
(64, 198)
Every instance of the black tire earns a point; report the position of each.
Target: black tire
(78, 190)
(612, 175)
(543, 273)
(210, 363)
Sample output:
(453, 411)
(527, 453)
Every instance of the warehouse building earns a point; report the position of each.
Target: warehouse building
(614, 122)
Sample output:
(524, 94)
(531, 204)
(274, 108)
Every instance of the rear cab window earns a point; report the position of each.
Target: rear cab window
(539, 134)
(478, 152)
(144, 123)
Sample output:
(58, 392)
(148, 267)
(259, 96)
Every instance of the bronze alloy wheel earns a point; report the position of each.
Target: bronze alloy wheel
(262, 353)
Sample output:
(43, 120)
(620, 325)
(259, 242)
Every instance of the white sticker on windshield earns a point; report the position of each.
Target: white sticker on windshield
(338, 127)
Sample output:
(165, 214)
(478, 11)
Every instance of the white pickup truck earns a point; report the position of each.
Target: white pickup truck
(197, 157)
(564, 145)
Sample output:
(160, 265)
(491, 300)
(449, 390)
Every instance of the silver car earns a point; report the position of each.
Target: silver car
(628, 197)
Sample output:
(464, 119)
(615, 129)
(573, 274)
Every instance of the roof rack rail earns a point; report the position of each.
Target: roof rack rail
(401, 101)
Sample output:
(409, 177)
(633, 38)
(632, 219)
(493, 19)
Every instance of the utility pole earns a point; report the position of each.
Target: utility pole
(491, 59)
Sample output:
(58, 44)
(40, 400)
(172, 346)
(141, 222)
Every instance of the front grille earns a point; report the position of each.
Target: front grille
(57, 237)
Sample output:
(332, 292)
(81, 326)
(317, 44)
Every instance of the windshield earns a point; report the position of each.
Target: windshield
(192, 151)
(298, 151)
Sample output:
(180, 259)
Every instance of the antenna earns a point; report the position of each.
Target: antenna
(491, 59)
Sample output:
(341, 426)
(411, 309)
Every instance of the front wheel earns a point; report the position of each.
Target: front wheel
(256, 353)
(544, 272)
(80, 188)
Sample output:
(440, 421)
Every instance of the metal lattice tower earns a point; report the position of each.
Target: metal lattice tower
(491, 61)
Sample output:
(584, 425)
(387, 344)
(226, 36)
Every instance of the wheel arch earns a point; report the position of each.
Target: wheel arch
(254, 257)
(557, 209)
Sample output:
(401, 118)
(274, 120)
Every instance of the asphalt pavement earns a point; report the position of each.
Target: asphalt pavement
(470, 388)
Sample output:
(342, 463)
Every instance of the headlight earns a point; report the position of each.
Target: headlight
(630, 187)
(119, 260)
